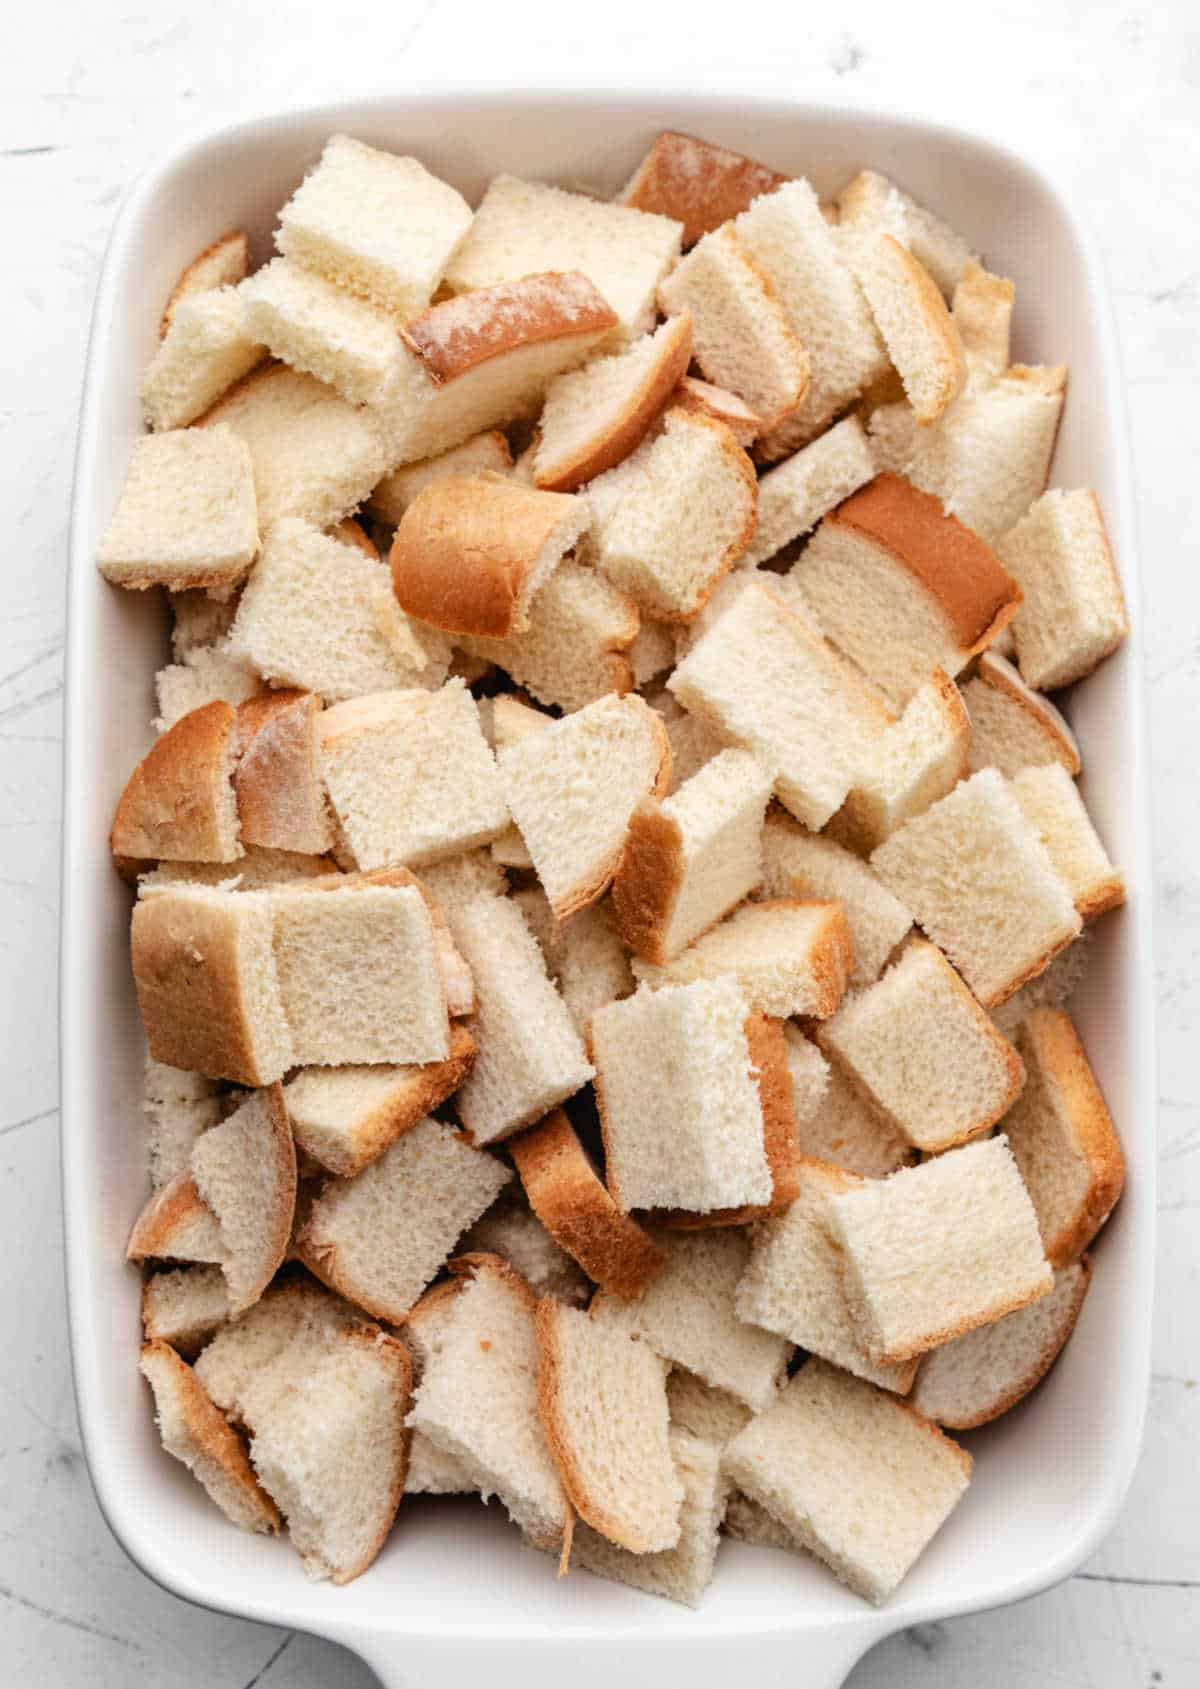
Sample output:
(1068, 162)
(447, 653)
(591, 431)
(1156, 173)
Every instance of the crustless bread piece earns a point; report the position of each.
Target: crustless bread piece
(185, 1307)
(245, 1171)
(178, 804)
(222, 264)
(178, 1106)
(852, 1474)
(692, 394)
(1051, 803)
(1013, 727)
(982, 884)
(980, 1376)
(486, 452)
(982, 311)
(187, 515)
(1063, 1137)
(921, 336)
(208, 674)
(176, 1225)
(209, 346)
(698, 183)
(567, 1195)
(280, 794)
(602, 1398)
(513, 1231)
(315, 326)
(796, 494)
(809, 1073)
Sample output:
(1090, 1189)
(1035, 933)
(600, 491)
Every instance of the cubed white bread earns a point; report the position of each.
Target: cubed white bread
(682, 514)
(344, 1118)
(251, 872)
(980, 1376)
(789, 957)
(594, 417)
(702, 1149)
(280, 792)
(741, 337)
(410, 776)
(207, 986)
(712, 1415)
(187, 514)
(854, 1475)
(1051, 803)
(209, 345)
(360, 976)
(920, 758)
(1051, 989)
(922, 338)
(196, 1433)
(459, 880)
(319, 615)
(1063, 1137)
(883, 1039)
(988, 457)
(797, 863)
(223, 263)
(263, 1352)
(431, 1471)
(309, 1450)
(1074, 611)
(176, 1224)
(688, 1316)
(692, 394)
(809, 1071)
(746, 1521)
(380, 1238)
(983, 886)
(313, 325)
(569, 1197)
(513, 1231)
(482, 453)
(691, 858)
(698, 183)
(376, 223)
(185, 1307)
(934, 1251)
(727, 592)
(245, 1171)
(844, 1130)
(615, 1464)
(200, 620)
(530, 1056)
(1013, 727)
(584, 956)
(902, 588)
(521, 227)
(765, 680)
(796, 494)
(572, 789)
(791, 1282)
(178, 1106)
(505, 719)
(472, 553)
(693, 742)
(652, 652)
(208, 674)
(871, 205)
(178, 805)
(982, 306)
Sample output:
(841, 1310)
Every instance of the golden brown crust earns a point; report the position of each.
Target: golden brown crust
(928, 305)
(1003, 678)
(648, 880)
(1038, 966)
(364, 1337)
(1107, 894)
(703, 398)
(350, 532)
(175, 1204)
(567, 1195)
(172, 805)
(222, 263)
(832, 954)
(697, 183)
(280, 794)
(471, 328)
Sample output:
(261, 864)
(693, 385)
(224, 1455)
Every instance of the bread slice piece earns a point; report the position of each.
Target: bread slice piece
(381, 1237)
(513, 1231)
(584, 956)
(796, 494)
(245, 1171)
(196, 1433)
(713, 1416)
(208, 674)
(315, 326)
(921, 336)
(345, 1117)
(883, 1037)
(871, 205)
(280, 794)
(698, 183)
(280, 1340)
(791, 1282)
(176, 1224)
(983, 886)
(594, 417)
(1051, 803)
(186, 516)
(703, 1148)
(852, 1474)
(521, 227)
(921, 758)
(223, 263)
(765, 680)
(207, 986)
(567, 1195)
(845, 1130)
(471, 555)
(459, 880)
(934, 1251)
(809, 1073)
(976, 1378)
(210, 345)
(178, 1106)
(692, 394)
(691, 858)
(1073, 615)
(981, 307)
(178, 804)
(741, 336)
(1063, 1137)
(376, 223)
(482, 453)
(1013, 727)
(615, 1466)
(185, 1307)
(746, 1521)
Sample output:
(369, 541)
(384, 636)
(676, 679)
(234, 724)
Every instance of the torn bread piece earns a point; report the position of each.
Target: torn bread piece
(796, 494)
(584, 956)
(481, 454)
(178, 805)
(263, 1352)
(245, 1171)
(178, 1106)
(921, 336)
(1051, 803)
(223, 263)
(513, 1231)
(208, 674)
(176, 1224)
(698, 183)
(692, 394)
(1063, 1137)
(1013, 727)
(280, 792)
(185, 1307)
(871, 205)
(210, 345)
(982, 306)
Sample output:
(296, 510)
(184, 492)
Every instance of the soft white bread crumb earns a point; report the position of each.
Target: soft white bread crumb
(186, 516)
(223, 263)
(459, 880)
(692, 394)
(513, 1231)
(209, 345)
(712, 1415)
(871, 205)
(1051, 989)
(208, 674)
(843, 1129)
(245, 1171)
(584, 956)
(178, 805)
(483, 453)
(982, 306)
(796, 494)
(185, 1307)
(280, 792)
(696, 182)
(314, 326)
(1013, 727)
(983, 886)
(178, 1106)
(922, 338)
(176, 1224)
(1051, 803)
(852, 1474)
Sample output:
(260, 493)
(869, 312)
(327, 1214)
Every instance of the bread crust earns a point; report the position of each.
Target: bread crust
(703, 398)
(278, 1226)
(351, 532)
(177, 1203)
(280, 795)
(568, 1197)
(226, 259)
(697, 183)
(366, 1337)
(648, 881)
(1002, 677)
(957, 1328)
(470, 329)
(949, 358)
(170, 810)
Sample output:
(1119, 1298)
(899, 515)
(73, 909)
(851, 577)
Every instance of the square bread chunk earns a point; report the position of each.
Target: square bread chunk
(855, 1476)
(223, 263)
(1013, 727)
(1051, 803)
(374, 222)
(797, 493)
(701, 1148)
(209, 345)
(982, 884)
(938, 1249)
(187, 515)
(315, 326)
(245, 1172)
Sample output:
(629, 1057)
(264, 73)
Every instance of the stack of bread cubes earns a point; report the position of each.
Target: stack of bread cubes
(609, 875)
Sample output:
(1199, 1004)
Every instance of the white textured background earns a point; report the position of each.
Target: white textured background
(1109, 95)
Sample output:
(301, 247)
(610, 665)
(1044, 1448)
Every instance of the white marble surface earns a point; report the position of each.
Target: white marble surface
(1107, 93)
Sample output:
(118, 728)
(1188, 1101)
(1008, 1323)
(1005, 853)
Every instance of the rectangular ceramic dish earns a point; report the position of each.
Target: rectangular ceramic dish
(453, 1600)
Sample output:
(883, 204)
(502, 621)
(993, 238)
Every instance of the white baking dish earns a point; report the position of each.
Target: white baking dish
(452, 1599)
